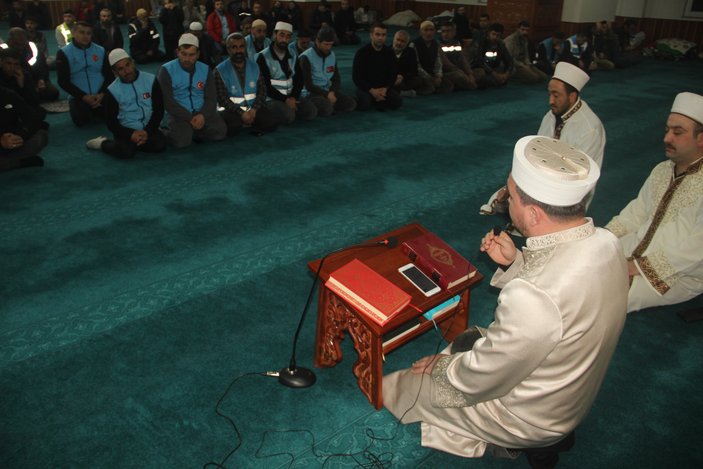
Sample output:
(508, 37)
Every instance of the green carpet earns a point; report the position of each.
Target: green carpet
(134, 292)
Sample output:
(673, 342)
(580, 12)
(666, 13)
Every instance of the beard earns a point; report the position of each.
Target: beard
(238, 57)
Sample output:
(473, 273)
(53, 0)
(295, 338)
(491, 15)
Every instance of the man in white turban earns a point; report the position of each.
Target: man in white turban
(661, 231)
(569, 119)
(531, 377)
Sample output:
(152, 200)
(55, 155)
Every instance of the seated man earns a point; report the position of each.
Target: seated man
(210, 55)
(606, 49)
(455, 66)
(39, 11)
(258, 13)
(245, 26)
(374, 72)
(518, 45)
(220, 24)
(144, 39)
(23, 134)
(13, 76)
(321, 17)
(532, 376)
(107, 33)
(429, 58)
(171, 19)
(190, 97)
(258, 39)
(408, 80)
(661, 231)
(345, 25)
(569, 119)
(490, 59)
(241, 91)
(33, 63)
(31, 24)
(301, 43)
(318, 66)
(63, 31)
(283, 84)
(551, 51)
(84, 73)
(134, 108)
(582, 51)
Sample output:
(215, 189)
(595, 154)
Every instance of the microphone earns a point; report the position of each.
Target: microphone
(299, 377)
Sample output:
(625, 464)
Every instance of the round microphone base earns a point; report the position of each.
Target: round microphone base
(297, 378)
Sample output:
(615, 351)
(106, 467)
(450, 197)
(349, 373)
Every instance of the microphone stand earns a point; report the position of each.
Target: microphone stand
(299, 377)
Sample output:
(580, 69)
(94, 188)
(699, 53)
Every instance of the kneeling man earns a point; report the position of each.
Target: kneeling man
(661, 231)
(530, 378)
(190, 97)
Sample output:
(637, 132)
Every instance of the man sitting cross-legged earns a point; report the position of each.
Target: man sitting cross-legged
(134, 108)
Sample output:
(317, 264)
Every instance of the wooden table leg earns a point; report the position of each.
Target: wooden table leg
(332, 320)
(368, 368)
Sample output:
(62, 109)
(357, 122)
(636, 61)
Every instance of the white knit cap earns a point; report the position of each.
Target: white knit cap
(552, 171)
(116, 55)
(690, 105)
(257, 23)
(188, 39)
(195, 26)
(571, 74)
(283, 26)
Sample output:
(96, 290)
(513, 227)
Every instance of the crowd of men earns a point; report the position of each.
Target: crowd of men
(529, 378)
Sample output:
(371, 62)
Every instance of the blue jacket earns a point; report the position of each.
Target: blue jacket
(134, 100)
(244, 98)
(188, 89)
(278, 77)
(86, 66)
(322, 69)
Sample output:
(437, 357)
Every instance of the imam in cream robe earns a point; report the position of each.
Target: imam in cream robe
(669, 256)
(582, 129)
(533, 377)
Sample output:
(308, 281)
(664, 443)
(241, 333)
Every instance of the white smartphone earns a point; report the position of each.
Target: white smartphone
(419, 279)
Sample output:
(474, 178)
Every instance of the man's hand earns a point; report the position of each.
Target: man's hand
(499, 248)
(398, 80)
(10, 141)
(91, 100)
(632, 270)
(332, 97)
(249, 116)
(426, 364)
(292, 103)
(197, 121)
(139, 137)
(41, 84)
(379, 94)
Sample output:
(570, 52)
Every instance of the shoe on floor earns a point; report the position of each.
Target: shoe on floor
(95, 143)
(408, 93)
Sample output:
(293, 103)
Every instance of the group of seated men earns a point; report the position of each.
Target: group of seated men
(276, 81)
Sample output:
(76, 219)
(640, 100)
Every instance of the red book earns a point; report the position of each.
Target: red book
(438, 260)
(368, 291)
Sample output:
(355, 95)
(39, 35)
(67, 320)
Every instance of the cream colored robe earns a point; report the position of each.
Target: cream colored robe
(533, 377)
(671, 267)
(583, 130)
